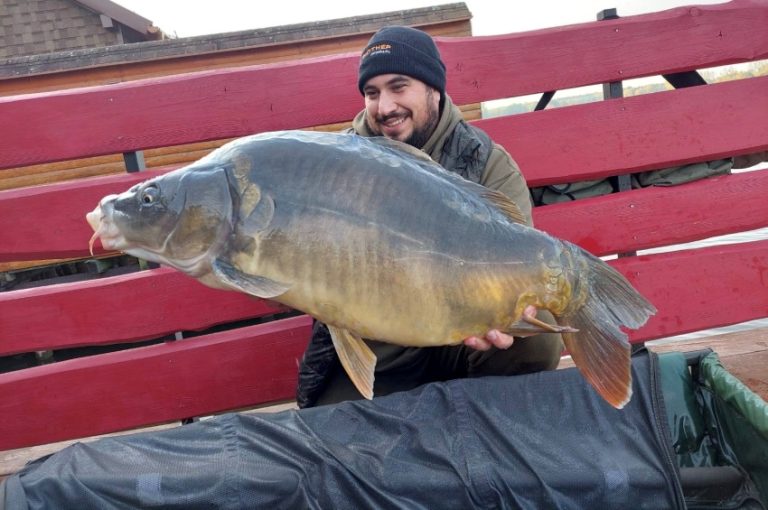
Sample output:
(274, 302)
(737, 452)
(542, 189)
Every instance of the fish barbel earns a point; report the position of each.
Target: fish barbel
(377, 241)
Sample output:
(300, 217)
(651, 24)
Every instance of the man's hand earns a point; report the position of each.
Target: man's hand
(494, 338)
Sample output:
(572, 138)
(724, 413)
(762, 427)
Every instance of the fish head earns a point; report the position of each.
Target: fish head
(179, 219)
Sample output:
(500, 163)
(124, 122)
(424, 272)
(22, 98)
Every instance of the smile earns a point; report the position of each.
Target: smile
(394, 122)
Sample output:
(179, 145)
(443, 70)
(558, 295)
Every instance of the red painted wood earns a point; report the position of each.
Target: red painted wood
(693, 37)
(661, 216)
(636, 133)
(178, 109)
(648, 218)
(125, 308)
(150, 385)
(617, 136)
(700, 289)
(153, 303)
(227, 103)
(250, 365)
(693, 290)
(45, 222)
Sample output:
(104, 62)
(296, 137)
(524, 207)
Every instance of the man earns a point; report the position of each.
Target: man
(402, 79)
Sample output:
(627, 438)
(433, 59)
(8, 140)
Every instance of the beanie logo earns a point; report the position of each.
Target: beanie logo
(376, 48)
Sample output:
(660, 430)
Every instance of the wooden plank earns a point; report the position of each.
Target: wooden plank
(149, 385)
(750, 369)
(649, 44)
(559, 58)
(661, 216)
(167, 111)
(42, 178)
(686, 287)
(48, 173)
(28, 224)
(100, 66)
(636, 133)
(125, 308)
(745, 355)
(179, 109)
(166, 300)
(648, 218)
(618, 136)
(26, 264)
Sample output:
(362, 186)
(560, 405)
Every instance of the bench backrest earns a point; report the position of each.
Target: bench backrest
(692, 289)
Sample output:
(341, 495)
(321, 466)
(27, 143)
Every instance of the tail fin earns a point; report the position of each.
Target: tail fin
(600, 349)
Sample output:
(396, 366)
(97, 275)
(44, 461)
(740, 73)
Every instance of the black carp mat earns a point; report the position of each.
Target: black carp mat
(544, 440)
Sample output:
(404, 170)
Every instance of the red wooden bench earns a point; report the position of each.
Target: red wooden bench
(256, 364)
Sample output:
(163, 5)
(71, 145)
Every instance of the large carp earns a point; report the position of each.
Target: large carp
(373, 238)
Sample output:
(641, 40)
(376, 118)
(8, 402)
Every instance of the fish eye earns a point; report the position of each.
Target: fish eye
(149, 195)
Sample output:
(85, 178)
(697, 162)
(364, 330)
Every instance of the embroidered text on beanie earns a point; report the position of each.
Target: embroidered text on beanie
(402, 50)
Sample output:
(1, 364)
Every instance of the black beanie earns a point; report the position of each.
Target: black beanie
(402, 50)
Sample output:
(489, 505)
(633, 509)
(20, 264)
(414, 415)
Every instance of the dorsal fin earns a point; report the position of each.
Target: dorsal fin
(505, 204)
(499, 200)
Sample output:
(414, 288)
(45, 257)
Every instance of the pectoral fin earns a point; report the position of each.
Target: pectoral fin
(529, 325)
(258, 286)
(257, 211)
(357, 359)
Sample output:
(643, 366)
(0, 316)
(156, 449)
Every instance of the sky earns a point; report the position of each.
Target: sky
(186, 18)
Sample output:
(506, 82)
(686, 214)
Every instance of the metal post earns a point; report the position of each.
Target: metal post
(544, 100)
(614, 90)
(134, 161)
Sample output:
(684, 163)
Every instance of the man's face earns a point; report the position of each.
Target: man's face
(401, 108)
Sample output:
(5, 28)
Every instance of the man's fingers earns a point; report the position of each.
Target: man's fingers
(477, 343)
(499, 339)
(494, 338)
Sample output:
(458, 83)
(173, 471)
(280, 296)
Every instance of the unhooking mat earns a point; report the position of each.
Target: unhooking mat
(542, 440)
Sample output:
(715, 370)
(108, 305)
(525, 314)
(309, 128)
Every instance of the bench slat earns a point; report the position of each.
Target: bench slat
(613, 137)
(700, 289)
(636, 133)
(216, 372)
(661, 216)
(151, 385)
(693, 289)
(180, 109)
(648, 218)
(167, 300)
(227, 103)
(48, 222)
(125, 308)
(684, 38)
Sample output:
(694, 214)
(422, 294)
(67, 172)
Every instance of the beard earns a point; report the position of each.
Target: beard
(421, 133)
(420, 136)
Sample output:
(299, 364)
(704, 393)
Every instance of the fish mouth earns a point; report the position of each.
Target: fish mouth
(112, 239)
(103, 228)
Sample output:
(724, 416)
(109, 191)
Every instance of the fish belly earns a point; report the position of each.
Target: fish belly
(380, 286)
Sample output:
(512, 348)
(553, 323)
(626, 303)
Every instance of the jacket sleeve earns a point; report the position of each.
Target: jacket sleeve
(317, 362)
(502, 174)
